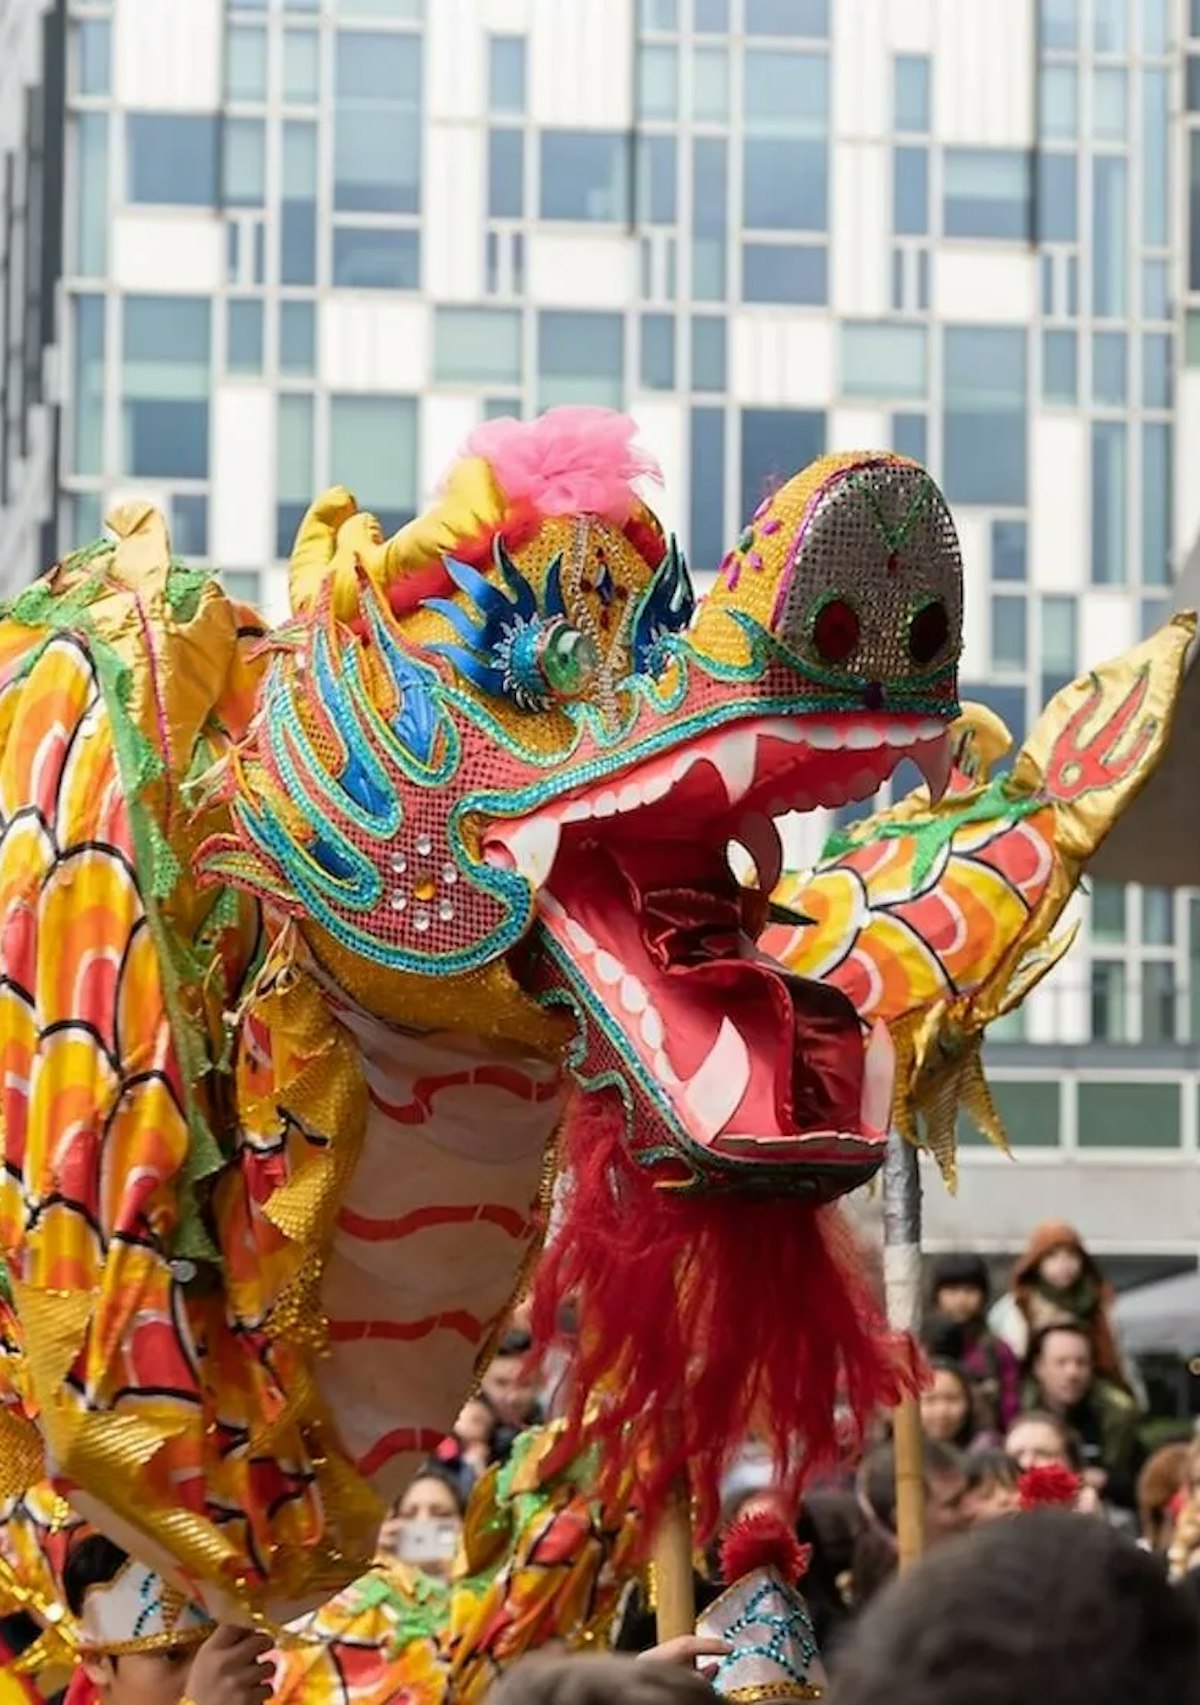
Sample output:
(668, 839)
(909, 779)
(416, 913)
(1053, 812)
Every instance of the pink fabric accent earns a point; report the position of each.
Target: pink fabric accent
(570, 461)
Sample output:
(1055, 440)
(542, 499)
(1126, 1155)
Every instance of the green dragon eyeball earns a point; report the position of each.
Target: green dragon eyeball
(569, 659)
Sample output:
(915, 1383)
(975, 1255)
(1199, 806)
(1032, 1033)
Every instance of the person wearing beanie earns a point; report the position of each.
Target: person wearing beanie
(959, 1293)
(1056, 1281)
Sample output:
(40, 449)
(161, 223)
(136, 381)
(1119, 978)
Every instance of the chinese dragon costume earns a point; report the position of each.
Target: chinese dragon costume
(330, 953)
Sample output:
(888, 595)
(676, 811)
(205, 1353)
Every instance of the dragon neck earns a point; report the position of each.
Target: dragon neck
(436, 1233)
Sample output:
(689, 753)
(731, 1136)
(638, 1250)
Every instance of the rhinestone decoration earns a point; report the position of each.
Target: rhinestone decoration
(421, 922)
(424, 845)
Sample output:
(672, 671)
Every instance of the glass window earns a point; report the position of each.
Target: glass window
(1159, 1002)
(506, 174)
(246, 62)
(1059, 100)
(1109, 1020)
(1059, 23)
(1194, 18)
(784, 272)
(1029, 1112)
(1108, 911)
(656, 173)
(709, 212)
(1058, 197)
(1191, 337)
(1008, 703)
(787, 17)
(297, 337)
(244, 336)
(1010, 544)
(785, 159)
(377, 124)
(1060, 366)
(1008, 633)
(189, 524)
(1156, 32)
(883, 359)
(477, 345)
(94, 49)
(910, 436)
(1060, 622)
(1156, 370)
(657, 368)
(1152, 615)
(1109, 235)
(1108, 26)
(373, 450)
(294, 475)
(581, 359)
(706, 515)
(1109, 368)
(1193, 82)
(658, 15)
(1156, 503)
(506, 73)
(92, 210)
(244, 162)
(710, 85)
(910, 191)
(408, 9)
(1109, 105)
(987, 193)
(708, 354)
(81, 520)
(1108, 502)
(1128, 1115)
(911, 92)
(585, 175)
(775, 441)
(301, 66)
(985, 421)
(712, 16)
(165, 386)
(171, 158)
(1194, 209)
(89, 387)
(368, 259)
(1156, 290)
(298, 213)
(1158, 917)
(658, 81)
(242, 585)
(1156, 139)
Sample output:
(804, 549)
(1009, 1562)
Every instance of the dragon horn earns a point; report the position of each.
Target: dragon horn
(316, 541)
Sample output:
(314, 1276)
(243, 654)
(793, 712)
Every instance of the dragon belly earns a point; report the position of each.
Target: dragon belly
(431, 1236)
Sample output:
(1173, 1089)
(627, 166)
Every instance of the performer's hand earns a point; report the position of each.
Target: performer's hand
(684, 1650)
(230, 1669)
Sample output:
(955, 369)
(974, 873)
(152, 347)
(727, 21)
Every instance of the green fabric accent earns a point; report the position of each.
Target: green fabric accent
(185, 587)
(5, 1287)
(893, 535)
(934, 832)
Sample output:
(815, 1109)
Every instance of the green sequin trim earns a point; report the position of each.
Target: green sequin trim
(934, 833)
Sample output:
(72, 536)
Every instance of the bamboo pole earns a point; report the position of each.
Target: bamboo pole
(674, 1581)
(902, 1284)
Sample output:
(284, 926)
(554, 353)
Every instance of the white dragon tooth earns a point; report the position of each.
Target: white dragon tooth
(604, 805)
(534, 846)
(860, 736)
(898, 734)
(630, 797)
(822, 738)
(577, 811)
(879, 1074)
(579, 938)
(734, 756)
(934, 759)
(609, 969)
(549, 906)
(714, 1090)
(664, 1071)
(633, 994)
(651, 1028)
(656, 787)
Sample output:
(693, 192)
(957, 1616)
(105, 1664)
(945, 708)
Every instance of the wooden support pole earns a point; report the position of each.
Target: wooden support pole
(902, 1282)
(674, 1581)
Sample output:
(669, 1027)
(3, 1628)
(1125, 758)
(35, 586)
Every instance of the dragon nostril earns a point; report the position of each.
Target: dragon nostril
(873, 695)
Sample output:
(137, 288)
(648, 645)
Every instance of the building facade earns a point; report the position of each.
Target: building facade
(300, 241)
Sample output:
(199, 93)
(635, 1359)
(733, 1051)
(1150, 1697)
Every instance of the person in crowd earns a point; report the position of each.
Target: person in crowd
(1183, 1543)
(226, 1667)
(1063, 1381)
(1038, 1439)
(611, 1680)
(510, 1390)
(426, 1524)
(473, 1432)
(1057, 1280)
(991, 1490)
(875, 1553)
(1162, 1487)
(947, 1414)
(959, 1293)
(1044, 1607)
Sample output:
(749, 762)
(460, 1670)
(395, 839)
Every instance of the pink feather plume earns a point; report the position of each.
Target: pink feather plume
(569, 461)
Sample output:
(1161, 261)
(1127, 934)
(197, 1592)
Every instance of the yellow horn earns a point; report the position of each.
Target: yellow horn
(316, 542)
(470, 503)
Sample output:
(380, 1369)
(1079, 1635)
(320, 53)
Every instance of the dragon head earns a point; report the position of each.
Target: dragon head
(499, 759)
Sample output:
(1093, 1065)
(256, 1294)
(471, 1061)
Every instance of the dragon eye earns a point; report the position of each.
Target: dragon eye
(836, 629)
(568, 660)
(928, 632)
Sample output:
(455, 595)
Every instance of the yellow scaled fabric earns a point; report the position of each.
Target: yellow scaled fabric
(940, 919)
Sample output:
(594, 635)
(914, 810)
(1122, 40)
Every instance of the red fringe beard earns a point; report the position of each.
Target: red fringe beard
(704, 1321)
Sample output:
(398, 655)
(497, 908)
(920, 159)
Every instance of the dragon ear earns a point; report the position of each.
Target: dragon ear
(316, 546)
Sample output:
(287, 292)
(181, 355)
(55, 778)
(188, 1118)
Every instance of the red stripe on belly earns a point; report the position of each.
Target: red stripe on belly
(373, 1230)
(424, 1439)
(416, 1111)
(468, 1326)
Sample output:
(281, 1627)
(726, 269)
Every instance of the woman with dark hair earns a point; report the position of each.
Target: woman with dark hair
(875, 1551)
(947, 1412)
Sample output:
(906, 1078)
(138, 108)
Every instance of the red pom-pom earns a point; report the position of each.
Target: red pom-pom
(1049, 1485)
(763, 1540)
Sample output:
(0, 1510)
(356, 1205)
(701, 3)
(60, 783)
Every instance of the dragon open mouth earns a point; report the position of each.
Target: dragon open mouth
(646, 928)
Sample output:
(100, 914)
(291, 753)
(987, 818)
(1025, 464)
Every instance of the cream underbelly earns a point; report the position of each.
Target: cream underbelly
(432, 1235)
